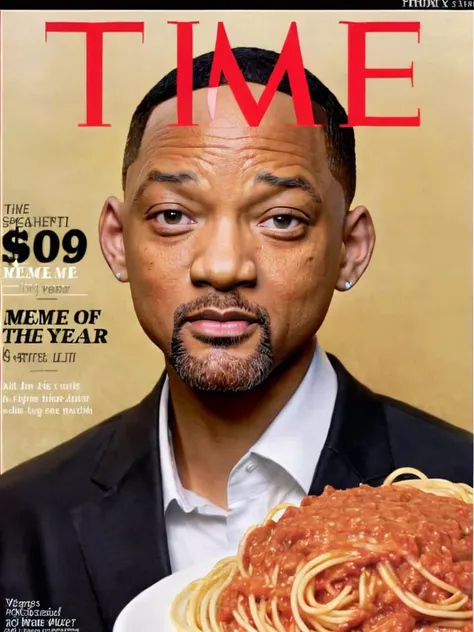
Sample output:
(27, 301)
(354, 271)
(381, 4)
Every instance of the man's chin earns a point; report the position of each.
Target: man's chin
(221, 371)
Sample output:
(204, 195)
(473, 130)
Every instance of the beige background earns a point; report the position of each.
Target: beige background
(405, 330)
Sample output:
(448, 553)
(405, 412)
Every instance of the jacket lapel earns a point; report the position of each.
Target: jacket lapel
(357, 449)
(122, 533)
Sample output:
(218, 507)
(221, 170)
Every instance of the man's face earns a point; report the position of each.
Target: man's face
(232, 239)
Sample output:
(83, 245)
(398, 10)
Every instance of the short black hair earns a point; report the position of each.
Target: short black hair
(256, 65)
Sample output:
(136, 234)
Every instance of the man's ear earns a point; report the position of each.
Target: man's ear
(111, 237)
(358, 246)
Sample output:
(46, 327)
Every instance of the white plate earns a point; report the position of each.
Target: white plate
(149, 611)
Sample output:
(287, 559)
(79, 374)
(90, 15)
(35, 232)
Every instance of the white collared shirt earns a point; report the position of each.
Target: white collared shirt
(278, 468)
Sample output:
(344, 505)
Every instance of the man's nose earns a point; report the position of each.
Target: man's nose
(225, 257)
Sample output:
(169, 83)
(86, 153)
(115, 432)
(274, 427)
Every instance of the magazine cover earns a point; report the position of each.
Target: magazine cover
(236, 302)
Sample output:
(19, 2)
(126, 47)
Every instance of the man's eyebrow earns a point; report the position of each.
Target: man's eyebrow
(161, 176)
(289, 183)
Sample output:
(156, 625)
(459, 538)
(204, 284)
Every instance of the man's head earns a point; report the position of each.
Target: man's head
(234, 238)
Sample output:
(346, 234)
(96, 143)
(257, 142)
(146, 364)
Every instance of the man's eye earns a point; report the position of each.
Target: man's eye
(282, 222)
(172, 218)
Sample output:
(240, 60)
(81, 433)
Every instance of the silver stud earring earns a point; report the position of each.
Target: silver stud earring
(118, 275)
(348, 285)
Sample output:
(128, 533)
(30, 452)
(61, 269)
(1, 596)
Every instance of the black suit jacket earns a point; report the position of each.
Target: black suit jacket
(82, 526)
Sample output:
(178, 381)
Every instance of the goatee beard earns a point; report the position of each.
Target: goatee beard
(220, 371)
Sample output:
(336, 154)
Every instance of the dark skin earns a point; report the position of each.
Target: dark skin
(225, 228)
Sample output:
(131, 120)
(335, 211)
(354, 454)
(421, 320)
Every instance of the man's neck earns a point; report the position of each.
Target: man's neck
(213, 431)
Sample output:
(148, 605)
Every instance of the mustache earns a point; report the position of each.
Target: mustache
(230, 300)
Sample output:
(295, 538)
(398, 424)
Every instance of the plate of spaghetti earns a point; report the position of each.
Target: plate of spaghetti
(394, 558)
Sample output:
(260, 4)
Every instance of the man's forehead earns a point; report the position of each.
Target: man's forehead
(220, 105)
(217, 115)
(225, 146)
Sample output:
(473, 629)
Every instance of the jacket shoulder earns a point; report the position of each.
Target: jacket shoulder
(421, 440)
(59, 468)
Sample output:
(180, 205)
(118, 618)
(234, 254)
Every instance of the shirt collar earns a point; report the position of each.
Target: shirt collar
(172, 487)
(293, 441)
(296, 437)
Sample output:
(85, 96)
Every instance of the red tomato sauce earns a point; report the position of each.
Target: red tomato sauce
(397, 522)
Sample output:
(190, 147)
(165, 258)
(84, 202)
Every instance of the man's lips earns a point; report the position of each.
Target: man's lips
(229, 323)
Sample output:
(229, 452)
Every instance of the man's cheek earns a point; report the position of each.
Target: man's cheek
(293, 288)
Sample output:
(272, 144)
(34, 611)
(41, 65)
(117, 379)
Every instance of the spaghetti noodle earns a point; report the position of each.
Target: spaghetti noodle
(394, 558)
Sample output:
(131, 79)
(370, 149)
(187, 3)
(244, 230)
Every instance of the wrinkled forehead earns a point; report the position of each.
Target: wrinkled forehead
(222, 136)
(219, 105)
